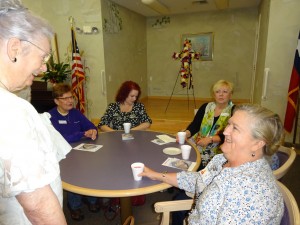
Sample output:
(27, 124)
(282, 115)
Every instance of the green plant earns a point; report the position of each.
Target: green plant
(56, 72)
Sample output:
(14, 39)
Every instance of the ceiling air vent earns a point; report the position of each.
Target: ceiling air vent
(200, 2)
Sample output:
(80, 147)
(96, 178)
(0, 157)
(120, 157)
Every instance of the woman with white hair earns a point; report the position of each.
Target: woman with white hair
(28, 154)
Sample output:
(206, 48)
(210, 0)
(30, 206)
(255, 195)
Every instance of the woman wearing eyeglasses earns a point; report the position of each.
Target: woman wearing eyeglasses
(30, 183)
(73, 126)
(70, 122)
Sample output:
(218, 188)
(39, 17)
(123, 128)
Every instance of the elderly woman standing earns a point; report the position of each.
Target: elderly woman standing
(238, 186)
(126, 109)
(28, 156)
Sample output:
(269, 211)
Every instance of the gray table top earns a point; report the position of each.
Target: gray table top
(107, 172)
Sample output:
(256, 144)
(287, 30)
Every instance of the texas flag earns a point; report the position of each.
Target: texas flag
(293, 94)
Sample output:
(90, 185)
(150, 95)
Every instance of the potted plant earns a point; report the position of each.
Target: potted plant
(56, 72)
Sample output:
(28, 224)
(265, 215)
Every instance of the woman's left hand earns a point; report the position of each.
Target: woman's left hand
(203, 142)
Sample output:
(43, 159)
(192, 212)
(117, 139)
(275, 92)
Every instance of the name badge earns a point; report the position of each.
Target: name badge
(62, 122)
(224, 114)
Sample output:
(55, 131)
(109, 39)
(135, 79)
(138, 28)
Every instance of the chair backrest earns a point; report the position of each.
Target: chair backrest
(95, 121)
(291, 215)
(195, 111)
(286, 158)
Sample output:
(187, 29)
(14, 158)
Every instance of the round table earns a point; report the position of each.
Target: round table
(107, 172)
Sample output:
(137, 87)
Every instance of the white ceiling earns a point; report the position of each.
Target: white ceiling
(183, 6)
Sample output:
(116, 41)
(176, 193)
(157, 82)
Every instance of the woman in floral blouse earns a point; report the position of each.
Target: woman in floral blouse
(126, 109)
(238, 186)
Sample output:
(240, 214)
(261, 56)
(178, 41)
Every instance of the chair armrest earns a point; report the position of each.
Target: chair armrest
(171, 206)
(282, 170)
(291, 204)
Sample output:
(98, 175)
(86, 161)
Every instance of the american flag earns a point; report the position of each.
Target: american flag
(78, 75)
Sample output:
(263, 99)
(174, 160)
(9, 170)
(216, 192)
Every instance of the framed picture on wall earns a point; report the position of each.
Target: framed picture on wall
(202, 43)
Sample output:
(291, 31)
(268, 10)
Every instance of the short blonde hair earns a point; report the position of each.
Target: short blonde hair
(219, 84)
(265, 125)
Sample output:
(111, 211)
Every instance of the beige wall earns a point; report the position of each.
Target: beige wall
(57, 12)
(144, 54)
(282, 37)
(234, 38)
(262, 35)
(125, 52)
(123, 57)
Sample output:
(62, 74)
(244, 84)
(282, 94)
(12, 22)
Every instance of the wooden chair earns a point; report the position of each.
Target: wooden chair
(129, 221)
(286, 158)
(96, 121)
(291, 214)
(171, 206)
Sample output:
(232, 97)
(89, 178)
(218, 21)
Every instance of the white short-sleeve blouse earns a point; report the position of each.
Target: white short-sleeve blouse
(28, 156)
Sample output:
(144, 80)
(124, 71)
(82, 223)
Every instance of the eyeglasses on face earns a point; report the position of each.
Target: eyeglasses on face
(46, 57)
(66, 98)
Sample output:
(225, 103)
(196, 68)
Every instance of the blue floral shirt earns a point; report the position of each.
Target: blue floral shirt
(247, 194)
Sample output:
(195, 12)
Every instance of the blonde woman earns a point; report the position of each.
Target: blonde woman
(206, 129)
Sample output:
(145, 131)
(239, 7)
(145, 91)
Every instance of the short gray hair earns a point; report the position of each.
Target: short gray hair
(265, 125)
(17, 21)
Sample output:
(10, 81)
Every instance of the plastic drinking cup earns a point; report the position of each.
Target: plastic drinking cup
(137, 168)
(185, 151)
(181, 137)
(127, 127)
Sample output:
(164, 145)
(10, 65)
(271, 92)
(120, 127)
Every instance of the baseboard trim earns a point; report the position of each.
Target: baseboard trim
(236, 101)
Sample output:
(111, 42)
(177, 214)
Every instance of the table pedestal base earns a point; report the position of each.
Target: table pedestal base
(126, 209)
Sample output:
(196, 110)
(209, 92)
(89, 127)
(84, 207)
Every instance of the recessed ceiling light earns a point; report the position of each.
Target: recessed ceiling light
(157, 6)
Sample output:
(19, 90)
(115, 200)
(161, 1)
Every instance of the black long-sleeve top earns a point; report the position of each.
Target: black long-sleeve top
(194, 126)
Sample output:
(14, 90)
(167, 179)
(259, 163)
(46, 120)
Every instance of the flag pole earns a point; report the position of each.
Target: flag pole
(296, 120)
(72, 21)
(78, 75)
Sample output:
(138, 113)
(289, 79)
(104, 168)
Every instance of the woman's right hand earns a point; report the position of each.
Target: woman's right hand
(188, 135)
(153, 175)
(169, 178)
(92, 133)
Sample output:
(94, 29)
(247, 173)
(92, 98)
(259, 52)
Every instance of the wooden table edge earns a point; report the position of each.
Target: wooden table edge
(115, 193)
